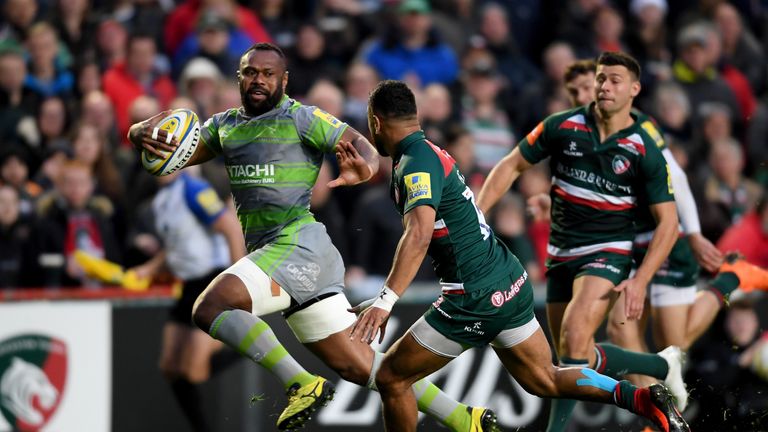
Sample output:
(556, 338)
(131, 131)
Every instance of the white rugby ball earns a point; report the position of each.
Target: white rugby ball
(185, 126)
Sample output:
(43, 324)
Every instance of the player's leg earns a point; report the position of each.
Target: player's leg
(524, 352)
(324, 328)
(628, 334)
(229, 311)
(671, 308)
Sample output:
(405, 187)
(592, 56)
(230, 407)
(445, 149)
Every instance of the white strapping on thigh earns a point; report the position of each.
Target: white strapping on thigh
(322, 319)
(511, 337)
(666, 295)
(259, 287)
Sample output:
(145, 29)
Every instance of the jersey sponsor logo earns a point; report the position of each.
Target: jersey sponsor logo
(654, 133)
(576, 122)
(592, 178)
(209, 201)
(328, 118)
(417, 186)
(633, 144)
(535, 133)
(499, 298)
(573, 150)
(620, 164)
(251, 174)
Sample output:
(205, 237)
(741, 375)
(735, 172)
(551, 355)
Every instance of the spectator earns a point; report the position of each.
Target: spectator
(15, 241)
(48, 74)
(715, 125)
(508, 222)
(14, 172)
(358, 84)
(740, 47)
(607, 30)
(75, 26)
(97, 110)
(494, 28)
(412, 50)
(672, 110)
(481, 114)
(111, 43)
(647, 40)
(308, 62)
(346, 23)
(730, 396)
(91, 149)
(88, 78)
(54, 158)
(575, 17)
(531, 106)
(749, 236)
(327, 96)
(200, 81)
(460, 144)
(125, 82)
(435, 109)
(13, 72)
(18, 17)
(72, 218)
(215, 39)
(695, 71)
(53, 122)
(728, 190)
(181, 21)
(278, 22)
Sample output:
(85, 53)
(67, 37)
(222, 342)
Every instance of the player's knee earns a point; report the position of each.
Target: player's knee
(574, 342)
(389, 382)
(352, 371)
(617, 333)
(223, 293)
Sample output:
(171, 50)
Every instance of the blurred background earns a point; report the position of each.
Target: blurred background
(75, 74)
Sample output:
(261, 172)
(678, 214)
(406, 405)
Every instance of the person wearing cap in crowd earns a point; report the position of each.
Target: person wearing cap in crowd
(200, 81)
(217, 39)
(411, 50)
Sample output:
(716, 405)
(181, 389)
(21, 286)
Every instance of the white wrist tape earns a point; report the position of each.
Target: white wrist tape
(387, 299)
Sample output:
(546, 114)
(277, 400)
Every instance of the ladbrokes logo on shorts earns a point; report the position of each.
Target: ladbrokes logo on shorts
(33, 371)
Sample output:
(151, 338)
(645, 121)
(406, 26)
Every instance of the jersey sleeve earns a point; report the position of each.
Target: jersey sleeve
(422, 182)
(209, 134)
(203, 201)
(652, 129)
(318, 128)
(656, 176)
(535, 146)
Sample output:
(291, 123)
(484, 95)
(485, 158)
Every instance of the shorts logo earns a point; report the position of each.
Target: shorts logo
(306, 275)
(499, 298)
(602, 265)
(417, 186)
(475, 328)
(620, 164)
(436, 304)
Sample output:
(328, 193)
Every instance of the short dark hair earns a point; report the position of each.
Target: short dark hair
(265, 46)
(616, 58)
(578, 68)
(393, 99)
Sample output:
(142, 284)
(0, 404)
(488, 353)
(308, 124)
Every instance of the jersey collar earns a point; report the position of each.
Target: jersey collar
(589, 115)
(408, 141)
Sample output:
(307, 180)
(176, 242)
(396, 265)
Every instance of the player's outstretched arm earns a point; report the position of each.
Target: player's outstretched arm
(144, 137)
(411, 250)
(664, 237)
(358, 160)
(501, 178)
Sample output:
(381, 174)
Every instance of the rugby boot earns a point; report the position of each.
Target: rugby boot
(751, 277)
(483, 420)
(675, 358)
(303, 402)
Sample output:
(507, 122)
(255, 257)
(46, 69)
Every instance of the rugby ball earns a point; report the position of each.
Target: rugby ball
(185, 126)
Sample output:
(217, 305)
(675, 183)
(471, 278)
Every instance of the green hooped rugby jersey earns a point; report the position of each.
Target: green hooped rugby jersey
(273, 161)
(465, 253)
(597, 188)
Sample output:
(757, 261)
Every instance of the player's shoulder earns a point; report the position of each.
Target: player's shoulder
(574, 119)
(650, 128)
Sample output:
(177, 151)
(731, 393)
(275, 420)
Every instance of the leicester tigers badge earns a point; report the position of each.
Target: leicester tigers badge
(33, 371)
(620, 164)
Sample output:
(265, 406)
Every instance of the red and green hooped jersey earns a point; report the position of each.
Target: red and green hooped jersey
(597, 188)
(464, 251)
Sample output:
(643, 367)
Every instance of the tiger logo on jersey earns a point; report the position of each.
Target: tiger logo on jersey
(417, 186)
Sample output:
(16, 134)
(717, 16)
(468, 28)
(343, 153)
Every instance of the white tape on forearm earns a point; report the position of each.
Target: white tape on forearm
(154, 133)
(387, 299)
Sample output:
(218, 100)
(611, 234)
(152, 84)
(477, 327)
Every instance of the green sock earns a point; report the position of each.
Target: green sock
(560, 410)
(617, 362)
(624, 396)
(431, 400)
(252, 337)
(724, 284)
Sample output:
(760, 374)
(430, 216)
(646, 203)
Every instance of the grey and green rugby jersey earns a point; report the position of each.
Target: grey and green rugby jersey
(272, 161)
(596, 187)
(464, 251)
